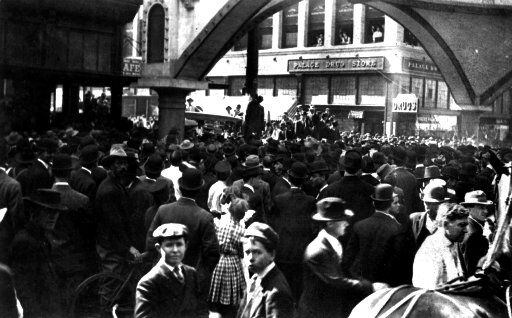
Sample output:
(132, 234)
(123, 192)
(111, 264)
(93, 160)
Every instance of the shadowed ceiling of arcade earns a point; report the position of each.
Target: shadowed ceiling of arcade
(469, 40)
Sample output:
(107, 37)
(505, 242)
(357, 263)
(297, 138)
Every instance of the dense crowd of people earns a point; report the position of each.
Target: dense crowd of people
(298, 219)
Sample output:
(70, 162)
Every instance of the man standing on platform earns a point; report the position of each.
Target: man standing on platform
(254, 117)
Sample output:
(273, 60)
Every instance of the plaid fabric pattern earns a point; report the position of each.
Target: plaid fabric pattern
(228, 283)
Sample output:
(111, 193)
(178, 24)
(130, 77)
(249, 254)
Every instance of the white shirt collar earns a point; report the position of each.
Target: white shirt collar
(430, 225)
(249, 186)
(61, 183)
(285, 179)
(336, 245)
(476, 221)
(388, 215)
(85, 169)
(259, 277)
(171, 268)
(43, 163)
(188, 198)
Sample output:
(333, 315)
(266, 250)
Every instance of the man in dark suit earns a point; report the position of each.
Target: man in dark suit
(203, 248)
(355, 192)
(254, 122)
(475, 244)
(268, 293)
(291, 218)
(13, 217)
(38, 174)
(171, 288)
(328, 291)
(87, 179)
(376, 250)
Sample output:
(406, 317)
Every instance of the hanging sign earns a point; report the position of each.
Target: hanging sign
(405, 103)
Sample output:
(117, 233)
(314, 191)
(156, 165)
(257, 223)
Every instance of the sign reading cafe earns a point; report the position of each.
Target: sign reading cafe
(336, 65)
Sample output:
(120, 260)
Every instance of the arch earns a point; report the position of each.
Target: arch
(156, 34)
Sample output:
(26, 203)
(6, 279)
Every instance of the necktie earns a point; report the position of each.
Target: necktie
(179, 276)
(250, 295)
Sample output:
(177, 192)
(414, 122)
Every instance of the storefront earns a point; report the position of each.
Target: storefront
(493, 128)
(353, 88)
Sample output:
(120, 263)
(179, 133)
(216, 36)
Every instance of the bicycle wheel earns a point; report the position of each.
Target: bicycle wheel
(96, 296)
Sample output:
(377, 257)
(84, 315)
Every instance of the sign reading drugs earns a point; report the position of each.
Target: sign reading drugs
(405, 103)
(336, 65)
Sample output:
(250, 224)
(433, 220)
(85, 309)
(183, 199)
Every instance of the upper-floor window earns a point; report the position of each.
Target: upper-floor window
(410, 39)
(374, 26)
(265, 34)
(344, 23)
(241, 44)
(156, 34)
(290, 22)
(316, 20)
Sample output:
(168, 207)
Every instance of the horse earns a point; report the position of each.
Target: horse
(482, 295)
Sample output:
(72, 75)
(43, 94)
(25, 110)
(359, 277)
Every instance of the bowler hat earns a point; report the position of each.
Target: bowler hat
(222, 167)
(476, 197)
(298, 170)
(170, 230)
(61, 162)
(352, 160)
(89, 154)
(159, 185)
(431, 172)
(435, 194)
(154, 164)
(264, 232)
(318, 166)
(191, 179)
(331, 209)
(116, 151)
(383, 192)
(252, 166)
(47, 198)
(186, 144)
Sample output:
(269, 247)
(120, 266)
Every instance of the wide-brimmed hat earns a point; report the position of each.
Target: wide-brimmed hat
(384, 170)
(154, 164)
(89, 154)
(264, 232)
(251, 166)
(332, 209)
(351, 160)
(431, 172)
(383, 192)
(435, 194)
(116, 151)
(298, 170)
(47, 198)
(191, 179)
(186, 144)
(476, 197)
(62, 162)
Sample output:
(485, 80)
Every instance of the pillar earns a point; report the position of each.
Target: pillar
(393, 31)
(251, 75)
(359, 23)
(302, 24)
(70, 94)
(116, 101)
(277, 30)
(171, 108)
(329, 22)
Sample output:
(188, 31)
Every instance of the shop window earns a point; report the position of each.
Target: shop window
(236, 85)
(156, 34)
(344, 23)
(417, 89)
(290, 18)
(343, 90)
(316, 90)
(442, 95)
(265, 34)
(266, 86)
(430, 93)
(372, 90)
(286, 86)
(241, 45)
(316, 23)
(410, 39)
(400, 85)
(374, 26)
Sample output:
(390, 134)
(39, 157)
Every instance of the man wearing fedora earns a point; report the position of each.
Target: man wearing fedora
(376, 249)
(268, 293)
(423, 223)
(37, 175)
(290, 217)
(475, 244)
(87, 179)
(327, 290)
(31, 256)
(203, 249)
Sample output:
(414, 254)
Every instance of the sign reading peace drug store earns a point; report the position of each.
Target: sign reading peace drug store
(336, 65)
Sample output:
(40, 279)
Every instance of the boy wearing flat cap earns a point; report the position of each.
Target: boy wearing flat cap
(268, 293)
(171, 288)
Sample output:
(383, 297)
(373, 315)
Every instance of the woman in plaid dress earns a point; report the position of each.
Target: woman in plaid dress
(228, 283)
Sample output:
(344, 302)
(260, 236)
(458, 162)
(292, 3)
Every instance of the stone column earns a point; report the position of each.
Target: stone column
(116, 101)
(171, 107)
(251, 74)
(329, 23)
(302, 24)
(70, 94)
(359, 19)
(277, 30)
(393, 32)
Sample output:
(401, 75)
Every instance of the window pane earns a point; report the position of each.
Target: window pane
(265, 34)
(442, 95)
(286, 86)
(316, 23)
(344, 22)
(372, 90)
(289, 36)
(410, 39)
(236, 85)
(430, 93)
(266, 86)
(417, 89)
(343, 89)
(374, 25)
(316, 90)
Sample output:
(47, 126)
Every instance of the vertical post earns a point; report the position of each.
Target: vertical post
(329, 22)
(302, 24)
(116, 101)
(359, 23)
(171, 107)
(251, 75)
(277, 30)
